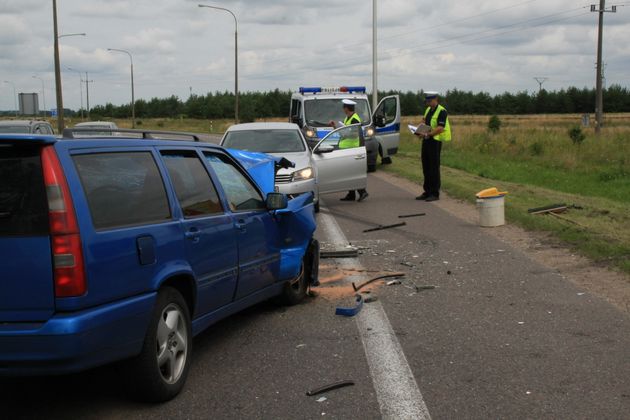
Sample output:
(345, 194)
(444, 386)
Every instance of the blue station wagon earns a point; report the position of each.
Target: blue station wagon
(125, 248)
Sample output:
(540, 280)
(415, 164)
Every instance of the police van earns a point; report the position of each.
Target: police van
(312, 108)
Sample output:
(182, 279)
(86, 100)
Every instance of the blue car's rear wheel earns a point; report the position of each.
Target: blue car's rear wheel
(160, 371)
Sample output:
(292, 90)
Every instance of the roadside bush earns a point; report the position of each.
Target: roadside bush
(494, 124)
(138, 122)
(537, 148)
(576, 135)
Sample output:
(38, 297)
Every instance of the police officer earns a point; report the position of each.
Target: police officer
(351, 118)
(436, 117)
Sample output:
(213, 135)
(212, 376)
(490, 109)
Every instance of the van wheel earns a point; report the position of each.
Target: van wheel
(294, 291)
(159, 372)
(386, 160)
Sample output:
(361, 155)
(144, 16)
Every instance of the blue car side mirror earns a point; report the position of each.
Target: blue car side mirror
(276, 201)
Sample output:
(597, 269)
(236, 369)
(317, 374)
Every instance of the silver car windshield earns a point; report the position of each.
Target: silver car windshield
(319, 112)
(14, 129)
(265, 141)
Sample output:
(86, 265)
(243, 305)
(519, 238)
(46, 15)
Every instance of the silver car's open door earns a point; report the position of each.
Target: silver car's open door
(387, 124)
(340, 158)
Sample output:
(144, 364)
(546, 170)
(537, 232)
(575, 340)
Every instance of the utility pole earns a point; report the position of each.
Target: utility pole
(60, 121)
(374, 58)
(87, 94)
(599, 96)
(540, 81)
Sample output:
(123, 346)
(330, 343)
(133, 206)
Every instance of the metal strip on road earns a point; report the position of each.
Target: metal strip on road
(396, 389)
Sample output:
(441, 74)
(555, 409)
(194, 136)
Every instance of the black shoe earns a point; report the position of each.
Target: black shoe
(363, 196)
(422, 196)
(432, 198)
(347, 198)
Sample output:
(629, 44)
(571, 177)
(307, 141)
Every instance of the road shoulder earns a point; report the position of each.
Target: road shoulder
(612, 286)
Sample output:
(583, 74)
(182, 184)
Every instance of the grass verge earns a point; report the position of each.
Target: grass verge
(600, 229)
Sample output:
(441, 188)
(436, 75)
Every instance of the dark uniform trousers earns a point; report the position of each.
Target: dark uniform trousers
(430, 157)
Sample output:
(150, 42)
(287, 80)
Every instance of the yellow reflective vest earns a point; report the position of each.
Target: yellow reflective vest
(444, 135)
(350, 142)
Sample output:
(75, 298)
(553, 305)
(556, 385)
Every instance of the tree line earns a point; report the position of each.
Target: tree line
(275, 103)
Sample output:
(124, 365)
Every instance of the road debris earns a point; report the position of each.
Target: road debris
(300, 345)
(552, 208)
(382, 227)
(370, 299)
(336, 385)
(321, 399)
(393, 282)
(406, 264)
(352, 311)
(385, 276)
(404, 216)
(346, 253)
(425, 287)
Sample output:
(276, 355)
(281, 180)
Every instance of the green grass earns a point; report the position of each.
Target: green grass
(594, 176)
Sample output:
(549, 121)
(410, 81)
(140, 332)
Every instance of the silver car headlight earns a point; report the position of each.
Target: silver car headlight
(310, 133)
(369, 132)
(303, 174)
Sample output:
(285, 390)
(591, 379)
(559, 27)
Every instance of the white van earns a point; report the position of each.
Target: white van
(313, 107)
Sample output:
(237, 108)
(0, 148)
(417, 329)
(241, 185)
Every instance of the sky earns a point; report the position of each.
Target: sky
(179, 48)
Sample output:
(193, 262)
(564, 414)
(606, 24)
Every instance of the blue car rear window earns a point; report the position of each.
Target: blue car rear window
(123, 189)
(23, 202)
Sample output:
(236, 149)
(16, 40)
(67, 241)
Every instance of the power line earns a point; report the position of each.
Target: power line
(441, 43)
(358, 44)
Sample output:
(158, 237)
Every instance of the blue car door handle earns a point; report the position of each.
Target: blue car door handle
(240, 225)
(193, 234)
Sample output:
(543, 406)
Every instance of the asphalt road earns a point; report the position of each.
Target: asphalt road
(499, 336)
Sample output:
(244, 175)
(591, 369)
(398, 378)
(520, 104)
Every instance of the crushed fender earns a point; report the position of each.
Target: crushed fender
(352, 311)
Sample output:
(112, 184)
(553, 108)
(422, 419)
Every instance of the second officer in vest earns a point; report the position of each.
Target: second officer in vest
(351, 118)
(436, 117)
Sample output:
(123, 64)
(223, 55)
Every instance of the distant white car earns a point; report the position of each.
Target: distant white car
(97, 124)
(325, 169)
(106, 126)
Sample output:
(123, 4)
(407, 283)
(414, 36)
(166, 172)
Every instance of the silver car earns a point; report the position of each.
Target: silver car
(325, 169)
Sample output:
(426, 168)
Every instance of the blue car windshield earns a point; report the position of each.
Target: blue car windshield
(265, 141)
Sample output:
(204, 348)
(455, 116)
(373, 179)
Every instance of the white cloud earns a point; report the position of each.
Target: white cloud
(480, 45)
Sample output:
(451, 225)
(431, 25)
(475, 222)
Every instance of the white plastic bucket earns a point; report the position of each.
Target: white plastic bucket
(491, 211)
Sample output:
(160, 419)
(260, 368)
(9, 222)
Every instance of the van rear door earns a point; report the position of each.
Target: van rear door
(26, 273)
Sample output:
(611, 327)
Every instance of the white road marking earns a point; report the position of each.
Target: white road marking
(396, 389)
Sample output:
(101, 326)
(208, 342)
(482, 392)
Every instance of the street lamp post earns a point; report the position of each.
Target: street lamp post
(235, 56)
(43, 92)
(80, 88)
(133, 100)
(374, 57)
(14, 96)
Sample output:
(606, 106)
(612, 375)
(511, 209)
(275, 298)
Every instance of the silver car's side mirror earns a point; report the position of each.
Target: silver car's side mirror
(324, 148)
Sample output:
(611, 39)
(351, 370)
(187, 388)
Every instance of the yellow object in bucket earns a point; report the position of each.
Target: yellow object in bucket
(490, 192)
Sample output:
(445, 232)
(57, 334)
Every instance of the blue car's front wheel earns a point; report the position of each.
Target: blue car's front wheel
(295, 290)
